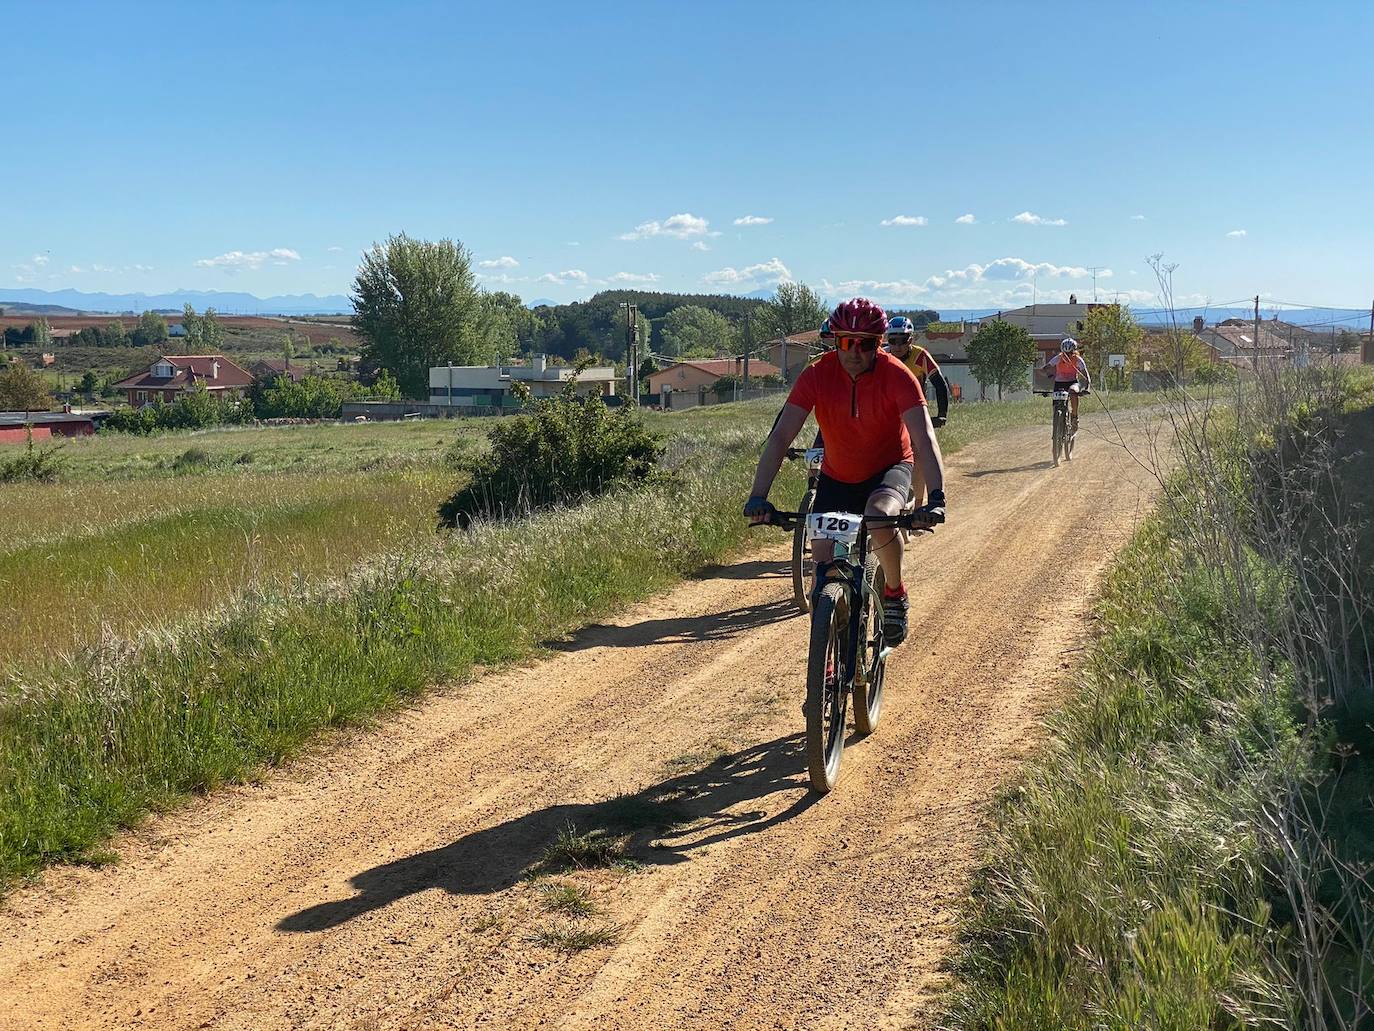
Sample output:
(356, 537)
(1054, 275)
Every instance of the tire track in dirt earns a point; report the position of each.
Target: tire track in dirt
(382, 885)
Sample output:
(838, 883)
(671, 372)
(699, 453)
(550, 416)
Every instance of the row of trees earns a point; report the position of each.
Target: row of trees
(417, 305)
(150, 330)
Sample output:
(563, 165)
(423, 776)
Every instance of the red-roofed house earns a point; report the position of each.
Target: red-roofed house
(175, 374)
(693, 375)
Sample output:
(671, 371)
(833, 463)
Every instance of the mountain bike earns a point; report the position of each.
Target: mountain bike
(1062, 433)
(803, 567)
(847, 655)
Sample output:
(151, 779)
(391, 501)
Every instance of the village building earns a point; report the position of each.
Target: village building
(174, 375)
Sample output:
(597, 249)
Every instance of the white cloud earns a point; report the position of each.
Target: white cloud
(965, 220)
(1236, 233)
(74, 269)
(503, 262)
(635, 277)
(752, 220)
(906, 220)
(1029, 218)
(680, 227)
(234, 261)
(500, 278)
(1006, 281)
(142, 268)
(334, 250)
(701, 245)
(39, 259)
(767, 273)
(1137, 218)
(572, 277)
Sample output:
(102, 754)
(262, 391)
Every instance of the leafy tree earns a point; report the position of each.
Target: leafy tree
(1110, 329)
(383, 388)
(691, 329)
(416, 305)
(42, 333)
(116, 335)
(90, 382)
(794, 308)
(211, 331)
(191, 322)
(1179, 352)
(23, 390)
(1346, 341)
(288, 347)
(151, 330)
(1001, 354)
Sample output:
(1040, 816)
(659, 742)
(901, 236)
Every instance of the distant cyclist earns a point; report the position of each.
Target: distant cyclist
(873, 415)
(901, 344)
(1068, 368)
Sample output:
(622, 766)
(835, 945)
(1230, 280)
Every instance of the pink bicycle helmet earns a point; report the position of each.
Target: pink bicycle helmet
(860, 317)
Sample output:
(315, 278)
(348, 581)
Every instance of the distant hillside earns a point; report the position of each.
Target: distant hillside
(76, 301)
(15, 308)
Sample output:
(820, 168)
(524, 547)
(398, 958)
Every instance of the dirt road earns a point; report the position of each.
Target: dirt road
(385, 885)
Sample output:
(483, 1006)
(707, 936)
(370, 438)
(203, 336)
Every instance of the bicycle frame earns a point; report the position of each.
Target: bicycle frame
(850, 568)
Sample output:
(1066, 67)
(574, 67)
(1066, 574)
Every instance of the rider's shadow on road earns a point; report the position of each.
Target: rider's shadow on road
(974, 474)
(709, 626)
(660, 825)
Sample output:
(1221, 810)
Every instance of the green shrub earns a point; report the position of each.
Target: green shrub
(35, 464)
(563, 451)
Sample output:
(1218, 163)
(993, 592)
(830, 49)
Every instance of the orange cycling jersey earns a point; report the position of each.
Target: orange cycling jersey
(861, 419)
(1068, 367)
(920, 362)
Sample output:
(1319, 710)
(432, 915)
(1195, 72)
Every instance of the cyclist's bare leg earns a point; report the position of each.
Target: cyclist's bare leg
(1073, 406)
(887, 542)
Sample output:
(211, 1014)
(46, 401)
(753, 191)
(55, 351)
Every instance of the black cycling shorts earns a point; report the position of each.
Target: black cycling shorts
(837, 496)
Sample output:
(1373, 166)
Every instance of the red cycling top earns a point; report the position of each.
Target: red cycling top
(860, 419)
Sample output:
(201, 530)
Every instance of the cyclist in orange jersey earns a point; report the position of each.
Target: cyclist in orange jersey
(1068, 368)
(901, 344)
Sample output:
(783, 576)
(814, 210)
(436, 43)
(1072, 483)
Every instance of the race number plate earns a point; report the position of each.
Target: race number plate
(814, 455)
(1060, 395)
(835, 526)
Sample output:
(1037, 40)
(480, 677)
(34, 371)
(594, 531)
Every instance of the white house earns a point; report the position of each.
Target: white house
(489, 385)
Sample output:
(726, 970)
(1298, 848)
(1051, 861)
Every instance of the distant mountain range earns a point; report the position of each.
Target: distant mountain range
(223, 302)
(58, 302)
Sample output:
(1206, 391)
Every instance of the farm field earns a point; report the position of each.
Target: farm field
(141, 532)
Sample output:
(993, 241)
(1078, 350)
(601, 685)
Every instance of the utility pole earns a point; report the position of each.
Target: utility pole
(631, 348)
(1368, 351)
(1254, 359)
(748, 346)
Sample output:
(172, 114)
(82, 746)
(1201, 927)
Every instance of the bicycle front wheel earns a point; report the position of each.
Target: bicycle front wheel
(1057, 435)
(802, 564)
(827, 686)
(868, 688)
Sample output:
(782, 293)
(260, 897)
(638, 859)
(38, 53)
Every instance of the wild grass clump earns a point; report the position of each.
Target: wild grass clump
(1181, 855)
(575, 937)
(33, 464)
(576, 849)
(570, 899)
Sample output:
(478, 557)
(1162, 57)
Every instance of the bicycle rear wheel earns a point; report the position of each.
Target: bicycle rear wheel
(827, 686)
(868, 682)
(802, 564)
(1069, 436)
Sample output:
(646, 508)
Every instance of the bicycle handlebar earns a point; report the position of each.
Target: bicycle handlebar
(916, 520)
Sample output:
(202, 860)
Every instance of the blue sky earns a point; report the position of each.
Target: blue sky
(261, 147)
